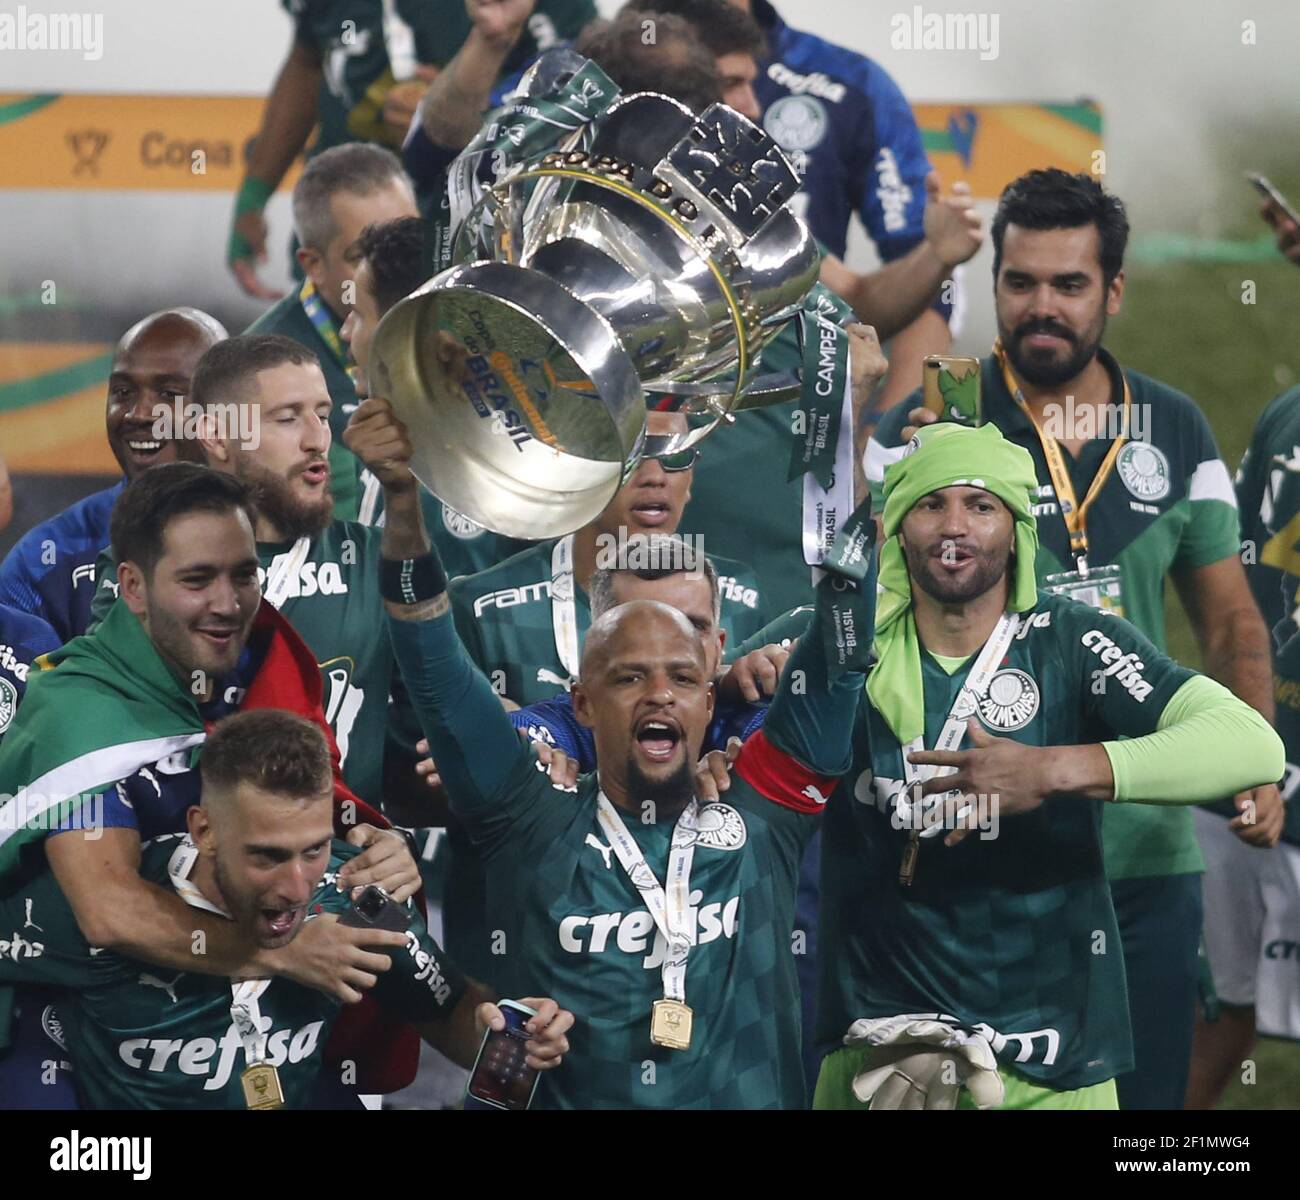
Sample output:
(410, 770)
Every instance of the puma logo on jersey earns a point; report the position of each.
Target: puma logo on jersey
(1126, 668)
(194, 1057)
(28, 923)
(510, 597)
(814, 795)
(545, 675)
(154, 982)
(630, 932)
(595, 843)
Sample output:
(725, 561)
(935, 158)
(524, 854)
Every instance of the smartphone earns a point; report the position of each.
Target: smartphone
(376, 909)
(501, 1078)
(950, 387)
(1270, 193)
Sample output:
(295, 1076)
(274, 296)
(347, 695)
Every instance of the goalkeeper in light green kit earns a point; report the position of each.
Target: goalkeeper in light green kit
(991, 959)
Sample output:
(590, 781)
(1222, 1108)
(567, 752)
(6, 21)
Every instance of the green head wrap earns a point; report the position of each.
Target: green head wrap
(941, 455)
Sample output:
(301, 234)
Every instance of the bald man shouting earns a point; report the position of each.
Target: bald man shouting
(664, 924)
(50, 572)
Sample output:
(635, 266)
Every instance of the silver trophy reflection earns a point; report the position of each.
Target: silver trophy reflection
(650, 251)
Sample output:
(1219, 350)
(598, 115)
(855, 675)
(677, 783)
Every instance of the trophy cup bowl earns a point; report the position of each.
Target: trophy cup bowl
(657, 256)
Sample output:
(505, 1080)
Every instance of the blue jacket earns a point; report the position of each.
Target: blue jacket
(850, 133)
(50, 572)
(22, 639)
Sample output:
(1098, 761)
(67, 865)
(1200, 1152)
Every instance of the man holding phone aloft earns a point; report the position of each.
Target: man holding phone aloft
(1131, 489)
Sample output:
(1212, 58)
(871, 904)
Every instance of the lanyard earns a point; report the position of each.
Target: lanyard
(323, 322)
(284, 569)
(564, 609)
(954, 728)
(244, 1010)
(667, 908)
(1074, 514)
(828, 435)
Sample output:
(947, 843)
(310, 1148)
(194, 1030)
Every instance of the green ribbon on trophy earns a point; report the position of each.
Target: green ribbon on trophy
(822, 430)
(523, 129)
(846, 595)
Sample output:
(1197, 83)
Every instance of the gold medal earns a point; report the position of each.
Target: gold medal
(262, 1086)
(670, 1024)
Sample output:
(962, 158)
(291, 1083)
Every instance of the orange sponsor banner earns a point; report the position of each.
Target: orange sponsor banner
(122, 143)
(989, 145)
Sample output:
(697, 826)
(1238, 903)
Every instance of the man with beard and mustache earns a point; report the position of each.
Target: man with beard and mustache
(317, 571)
(1119, 508)
(50, 571)
(664, 925)
(990, 962)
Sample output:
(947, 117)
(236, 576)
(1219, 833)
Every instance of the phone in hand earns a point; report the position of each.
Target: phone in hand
(1272, 195)
(950, 388)
(376, 909)
(501, 1078)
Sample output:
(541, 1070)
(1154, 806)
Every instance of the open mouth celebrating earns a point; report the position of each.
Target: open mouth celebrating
(658, 738)
(280, 921)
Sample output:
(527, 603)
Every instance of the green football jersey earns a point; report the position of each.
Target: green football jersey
(1167, 505)
(1011, 933)
(286, 317)
(504, 617)
(355, 39)
(334, 605)
(143, 1037)
(1268, 491)
(564, 915)
(566, 912)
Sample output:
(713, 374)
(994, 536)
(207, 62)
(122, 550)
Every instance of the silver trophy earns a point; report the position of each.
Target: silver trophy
(648, 251)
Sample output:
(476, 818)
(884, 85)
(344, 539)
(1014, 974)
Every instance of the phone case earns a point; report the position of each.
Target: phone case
(951, 388)
(475, 1088)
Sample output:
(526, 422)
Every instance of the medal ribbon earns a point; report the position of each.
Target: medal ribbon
(564, 608)
(1074, 514)
(247, 1016)
(322, 321)
(954, 728)
(823, 451)
(284, 569)
(846, 595)
(668, 908)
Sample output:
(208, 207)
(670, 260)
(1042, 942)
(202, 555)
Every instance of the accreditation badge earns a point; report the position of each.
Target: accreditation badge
(1101, 587)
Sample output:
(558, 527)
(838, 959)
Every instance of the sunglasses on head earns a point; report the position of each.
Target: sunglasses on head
(679, 460)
